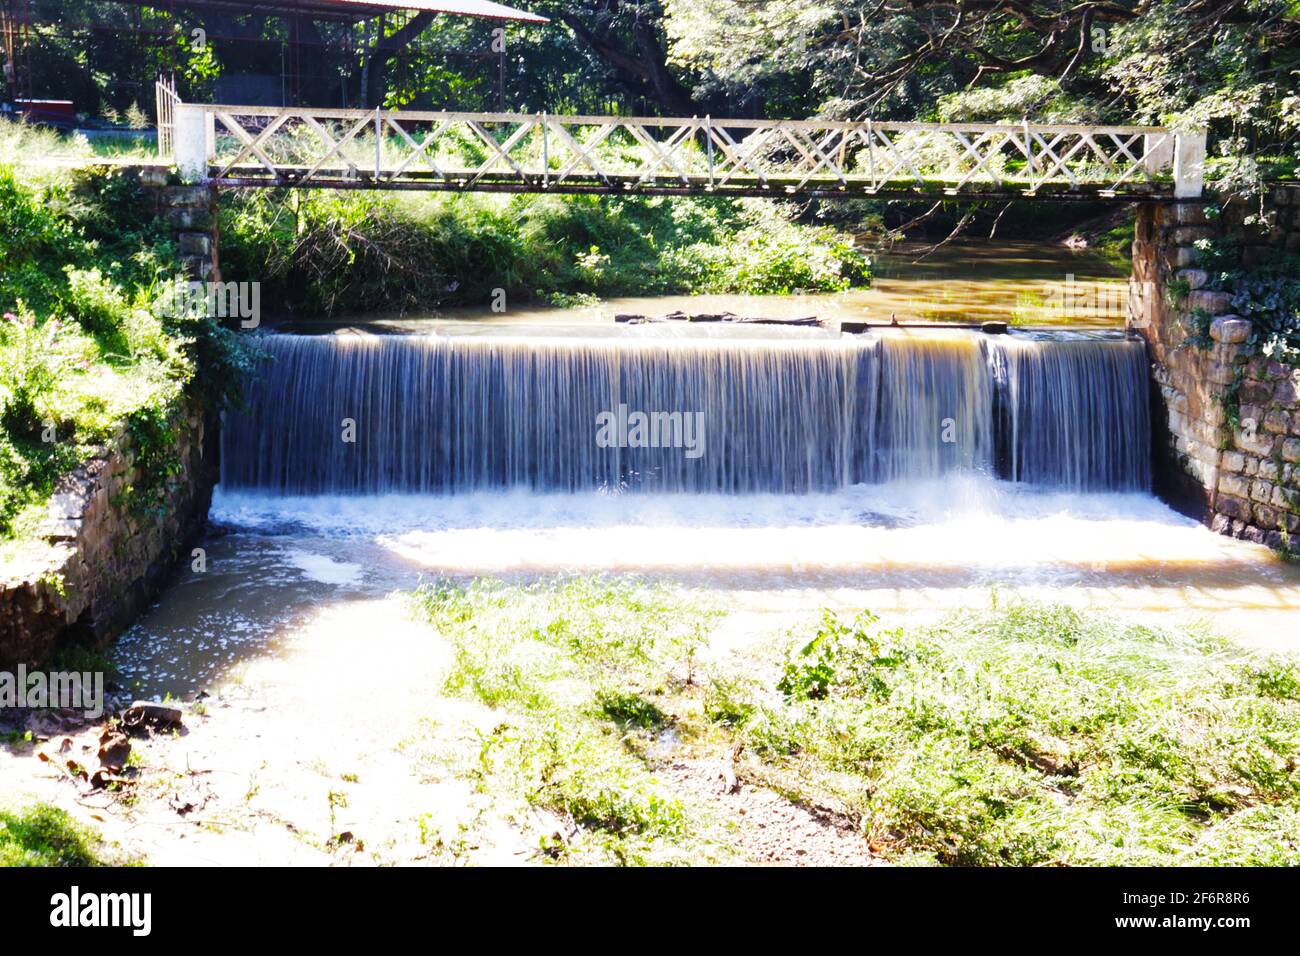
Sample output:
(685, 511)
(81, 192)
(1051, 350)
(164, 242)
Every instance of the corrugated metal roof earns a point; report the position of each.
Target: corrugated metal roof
(484, 9)
(351, 9)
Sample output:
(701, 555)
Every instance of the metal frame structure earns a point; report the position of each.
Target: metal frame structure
(15, 27)
(509, 152)
(18, 19)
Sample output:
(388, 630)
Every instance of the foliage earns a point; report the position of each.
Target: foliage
(43, 835)
(842, 657)
(1040, 734)
(353, 251)
(1022, 95)
(1268, 294)
(1190, 63)
(565, 664)
(1034, 734)
(85, 345)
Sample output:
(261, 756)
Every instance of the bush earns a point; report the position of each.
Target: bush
(33, 360)
(85, 346)
(1268, 295)
(351, 252)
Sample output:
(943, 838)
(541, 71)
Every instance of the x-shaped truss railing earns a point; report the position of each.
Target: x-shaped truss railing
(257, 146)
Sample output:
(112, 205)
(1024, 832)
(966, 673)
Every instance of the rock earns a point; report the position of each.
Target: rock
(193, 196)
(1187, 235)
(1234, 485)
(1189, 214)
(1195, 278)
(195, 243)
(1230, 329)
(61, 529)
(145, 713)
(114, 749)
(1287, 390)
(1256, 444)
(1278, 422)
(1215, 303)
(1261, 491)
(1221, 373)
(1234, 508)
(154, 176)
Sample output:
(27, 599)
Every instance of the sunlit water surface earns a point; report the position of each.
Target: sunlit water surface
(277, 564)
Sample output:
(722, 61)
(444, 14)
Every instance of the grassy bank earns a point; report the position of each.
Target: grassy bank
(352, 251)
(1024, 736)
(1038, 735)
(86, 347)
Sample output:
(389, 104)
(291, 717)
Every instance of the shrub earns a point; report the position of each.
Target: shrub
(1268, 295)
(85, 346)
(341, 252)
(32, 362)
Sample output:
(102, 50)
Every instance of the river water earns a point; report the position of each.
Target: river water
(837, 492)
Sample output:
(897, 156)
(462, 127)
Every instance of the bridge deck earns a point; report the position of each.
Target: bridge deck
(342, 177)
(240, 146)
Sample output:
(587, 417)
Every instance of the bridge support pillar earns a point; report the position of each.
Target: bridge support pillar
(190, 143)
(1189, 165)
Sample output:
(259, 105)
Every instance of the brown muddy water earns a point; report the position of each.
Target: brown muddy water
(1031, 284)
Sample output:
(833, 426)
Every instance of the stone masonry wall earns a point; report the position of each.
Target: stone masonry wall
(106, 558)
(103, 559)
(1241, 479)
(191, 211)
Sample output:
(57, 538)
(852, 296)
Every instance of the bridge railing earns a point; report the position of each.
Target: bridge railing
(511, 152)
(166, 102)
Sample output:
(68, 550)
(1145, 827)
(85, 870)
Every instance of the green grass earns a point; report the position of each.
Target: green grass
(43, 835)
(1040, 735)
(1028, 735)
(1116, 244)
(574, 668)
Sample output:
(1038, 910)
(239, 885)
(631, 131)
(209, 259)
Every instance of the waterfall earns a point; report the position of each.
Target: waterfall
(782, 412)
(1078, 413)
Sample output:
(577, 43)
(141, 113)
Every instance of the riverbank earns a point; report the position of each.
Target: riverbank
(608, 720)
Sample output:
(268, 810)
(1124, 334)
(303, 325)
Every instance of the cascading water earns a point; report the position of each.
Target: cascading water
(1077, 413)
(783, 412)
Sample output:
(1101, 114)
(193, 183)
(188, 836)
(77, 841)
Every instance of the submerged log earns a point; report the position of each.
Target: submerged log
(713, 317)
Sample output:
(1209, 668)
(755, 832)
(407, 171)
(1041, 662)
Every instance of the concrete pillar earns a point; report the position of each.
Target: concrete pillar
(1189, 165)
(190, 143)
(1159, 150)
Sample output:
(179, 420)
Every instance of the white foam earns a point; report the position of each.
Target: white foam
(322, 568)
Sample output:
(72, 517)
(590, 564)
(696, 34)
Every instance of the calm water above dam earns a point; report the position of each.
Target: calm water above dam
(1030, 284)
